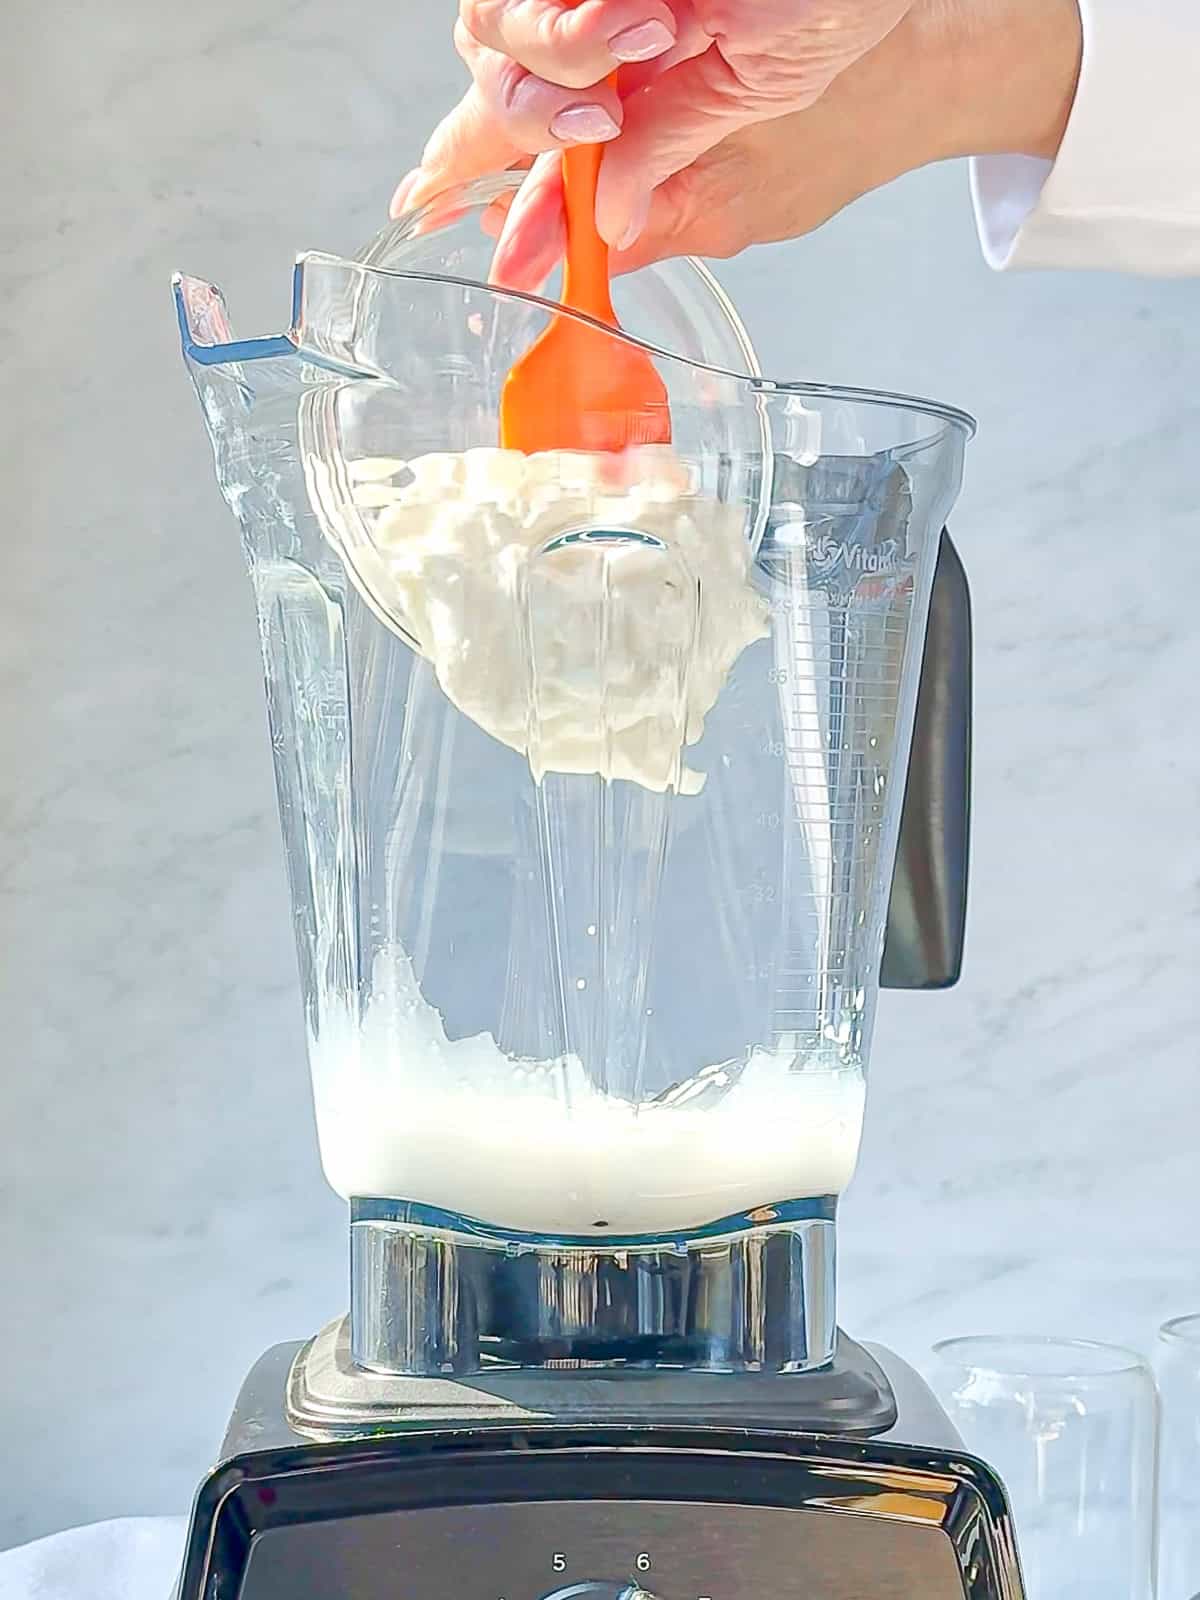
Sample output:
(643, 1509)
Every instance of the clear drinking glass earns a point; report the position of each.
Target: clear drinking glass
(590, 772)
(1071, 1427)
(1177, 1360)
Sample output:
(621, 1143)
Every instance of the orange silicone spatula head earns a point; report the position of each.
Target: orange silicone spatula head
(577, 388)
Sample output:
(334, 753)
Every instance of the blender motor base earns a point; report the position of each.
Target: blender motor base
(329, 1396)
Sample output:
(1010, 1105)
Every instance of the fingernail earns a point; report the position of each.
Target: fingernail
(584, 124)
(642, 42)
(637, 223)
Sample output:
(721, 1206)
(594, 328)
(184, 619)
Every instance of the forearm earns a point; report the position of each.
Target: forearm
(1011, 69)
(956, 78)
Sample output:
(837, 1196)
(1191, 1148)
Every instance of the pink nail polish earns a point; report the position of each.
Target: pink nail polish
(584, 124)
(642, 42)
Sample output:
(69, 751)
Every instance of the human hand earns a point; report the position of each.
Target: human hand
(952, 78)
(973, 78)
(694, 72)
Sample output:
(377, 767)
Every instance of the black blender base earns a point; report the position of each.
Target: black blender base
(622, 1486)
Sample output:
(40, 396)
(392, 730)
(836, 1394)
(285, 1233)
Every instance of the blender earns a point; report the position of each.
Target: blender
(613, 789)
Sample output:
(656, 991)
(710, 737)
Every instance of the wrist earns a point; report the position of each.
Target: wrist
(1011, 69)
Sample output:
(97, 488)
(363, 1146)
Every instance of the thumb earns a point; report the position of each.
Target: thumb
(699, 212)
(670, 230)
(668, 124)
(532, 236)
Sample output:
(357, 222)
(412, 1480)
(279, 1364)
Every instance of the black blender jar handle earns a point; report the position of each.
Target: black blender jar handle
(927, 912)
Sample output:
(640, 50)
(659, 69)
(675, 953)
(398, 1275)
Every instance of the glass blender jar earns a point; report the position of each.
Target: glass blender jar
(590, 772)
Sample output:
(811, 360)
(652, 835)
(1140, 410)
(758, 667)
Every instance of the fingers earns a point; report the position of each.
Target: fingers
(691, 39)
(537, 114)
(513, 109)
(699, 212)
(669, 124)
(669, 231)
(533, 235)
(465, 145)
(575, 48)
(752, 189)
(507, 112)
(492, 220)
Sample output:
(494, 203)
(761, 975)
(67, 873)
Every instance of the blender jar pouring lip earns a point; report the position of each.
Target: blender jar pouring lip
(208, 341)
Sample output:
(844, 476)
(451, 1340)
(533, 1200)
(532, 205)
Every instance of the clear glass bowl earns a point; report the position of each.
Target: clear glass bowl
(676, 305)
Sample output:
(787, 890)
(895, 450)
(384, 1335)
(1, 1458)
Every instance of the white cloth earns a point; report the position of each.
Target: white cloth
(1124, 191)
(136, 1558)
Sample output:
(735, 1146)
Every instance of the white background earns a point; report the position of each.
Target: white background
(1031, 1151)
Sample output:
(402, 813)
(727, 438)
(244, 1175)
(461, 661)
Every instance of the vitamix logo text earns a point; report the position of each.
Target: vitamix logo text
(826, 555)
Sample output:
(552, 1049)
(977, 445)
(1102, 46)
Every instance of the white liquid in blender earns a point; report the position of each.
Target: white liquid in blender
(406, 1113)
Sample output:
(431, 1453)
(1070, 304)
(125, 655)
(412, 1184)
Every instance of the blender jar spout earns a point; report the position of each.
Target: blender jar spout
(209, 342)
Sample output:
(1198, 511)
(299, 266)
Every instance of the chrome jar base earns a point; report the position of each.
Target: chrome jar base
(433, 1293)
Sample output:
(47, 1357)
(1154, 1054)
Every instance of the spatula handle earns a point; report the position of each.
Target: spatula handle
(585, 280)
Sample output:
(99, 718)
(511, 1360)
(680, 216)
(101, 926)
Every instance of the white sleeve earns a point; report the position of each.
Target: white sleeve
(1124, 191)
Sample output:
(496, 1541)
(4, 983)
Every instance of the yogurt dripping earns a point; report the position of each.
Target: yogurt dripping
(589, 656)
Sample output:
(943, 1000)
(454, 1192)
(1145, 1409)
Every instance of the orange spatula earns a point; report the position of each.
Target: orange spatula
(576, 388)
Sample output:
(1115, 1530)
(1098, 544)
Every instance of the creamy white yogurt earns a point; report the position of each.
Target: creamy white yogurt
(588, 656)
